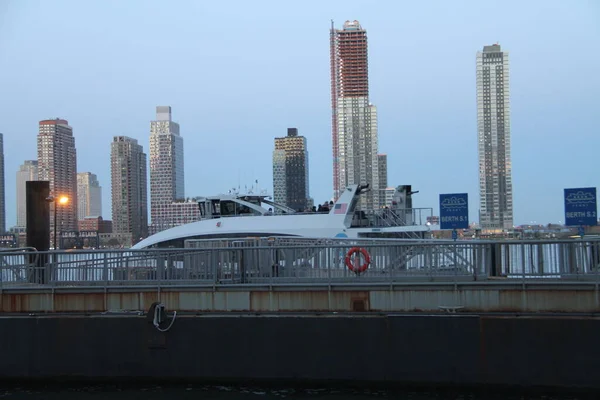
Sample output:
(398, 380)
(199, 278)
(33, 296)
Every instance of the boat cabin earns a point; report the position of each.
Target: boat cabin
(231, 206)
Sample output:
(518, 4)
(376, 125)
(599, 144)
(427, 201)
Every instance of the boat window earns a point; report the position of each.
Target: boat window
(352, 206)
(209, 208)
(244, 209)
(227, 208)
(180, 242)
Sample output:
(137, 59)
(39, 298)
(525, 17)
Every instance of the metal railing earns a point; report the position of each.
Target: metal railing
(391, 217)
(307, 261)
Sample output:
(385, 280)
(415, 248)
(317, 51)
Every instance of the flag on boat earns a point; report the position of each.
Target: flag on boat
(340, 208)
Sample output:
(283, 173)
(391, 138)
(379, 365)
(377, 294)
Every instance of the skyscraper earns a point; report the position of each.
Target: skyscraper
(493, 132)
(354, 118)
(2, 191)
(383, 179)
(290, 171)
(27, 172)
(279, 174)
(129, 188)
(89, 195)
(57, 163)
(166, 167)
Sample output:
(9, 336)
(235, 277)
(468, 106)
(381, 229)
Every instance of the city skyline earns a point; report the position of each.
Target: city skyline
(427, 113)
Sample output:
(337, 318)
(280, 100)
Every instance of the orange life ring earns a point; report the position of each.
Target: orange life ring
(364, 266)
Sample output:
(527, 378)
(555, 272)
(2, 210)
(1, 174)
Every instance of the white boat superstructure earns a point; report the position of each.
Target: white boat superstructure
(234, 215)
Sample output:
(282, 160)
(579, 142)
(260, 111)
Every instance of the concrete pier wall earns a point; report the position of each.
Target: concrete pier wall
(579, 297)
(559, 352)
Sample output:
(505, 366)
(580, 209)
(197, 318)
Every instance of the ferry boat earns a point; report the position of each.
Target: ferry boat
(246, 215)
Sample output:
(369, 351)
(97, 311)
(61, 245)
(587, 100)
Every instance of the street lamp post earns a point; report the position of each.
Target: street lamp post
(57, 200)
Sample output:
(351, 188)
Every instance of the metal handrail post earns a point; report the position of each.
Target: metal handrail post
(105, 269)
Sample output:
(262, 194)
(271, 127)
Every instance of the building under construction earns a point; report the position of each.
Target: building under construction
(354, 119)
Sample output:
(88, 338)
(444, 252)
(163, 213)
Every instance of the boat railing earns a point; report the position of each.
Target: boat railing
(387, 217)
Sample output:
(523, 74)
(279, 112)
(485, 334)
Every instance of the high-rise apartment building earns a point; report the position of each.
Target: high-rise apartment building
(28, 171)
(57, 163)
(89, 195)
(493, 132)
(166, 167)
(129, 188)
(279, 174)
(354, 118)
(290, 171)
(2, 190)
(383, 179)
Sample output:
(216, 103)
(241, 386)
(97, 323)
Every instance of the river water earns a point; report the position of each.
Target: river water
(112, 392)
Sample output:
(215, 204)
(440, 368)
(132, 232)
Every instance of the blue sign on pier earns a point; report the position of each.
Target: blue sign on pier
(454, 211)
(580, 206)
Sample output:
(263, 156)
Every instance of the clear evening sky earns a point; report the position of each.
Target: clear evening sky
(238, 73)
